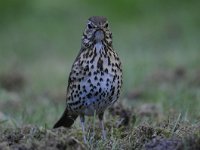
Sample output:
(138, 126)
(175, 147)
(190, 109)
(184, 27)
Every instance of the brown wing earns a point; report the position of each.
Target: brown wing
(73, 76)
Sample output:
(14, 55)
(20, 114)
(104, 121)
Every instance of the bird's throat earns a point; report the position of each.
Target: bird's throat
(99, 47)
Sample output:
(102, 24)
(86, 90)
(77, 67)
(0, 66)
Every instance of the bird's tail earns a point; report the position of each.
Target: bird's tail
(66, 120)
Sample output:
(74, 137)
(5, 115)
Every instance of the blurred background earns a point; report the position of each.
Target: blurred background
(157, 41)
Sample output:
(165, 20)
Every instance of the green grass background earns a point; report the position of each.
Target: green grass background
(41, 39)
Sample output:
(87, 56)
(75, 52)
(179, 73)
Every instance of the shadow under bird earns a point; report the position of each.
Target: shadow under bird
(95, 79)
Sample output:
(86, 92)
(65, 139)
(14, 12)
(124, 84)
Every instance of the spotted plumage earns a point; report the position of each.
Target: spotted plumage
(96, 76)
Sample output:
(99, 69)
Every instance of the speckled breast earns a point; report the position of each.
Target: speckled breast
(96, 82)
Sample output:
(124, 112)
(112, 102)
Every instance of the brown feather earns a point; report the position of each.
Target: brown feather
(66, 120)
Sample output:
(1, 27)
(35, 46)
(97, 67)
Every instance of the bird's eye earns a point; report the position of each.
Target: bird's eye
(89, 26)
(106, 25)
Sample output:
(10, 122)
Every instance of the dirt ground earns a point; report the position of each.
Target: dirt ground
(123, 132)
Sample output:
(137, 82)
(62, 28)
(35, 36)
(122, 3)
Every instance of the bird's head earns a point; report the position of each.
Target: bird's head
(96, 31)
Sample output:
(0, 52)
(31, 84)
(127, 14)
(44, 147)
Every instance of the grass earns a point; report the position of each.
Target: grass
(158, 45)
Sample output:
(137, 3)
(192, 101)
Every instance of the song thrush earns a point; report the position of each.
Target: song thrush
(95, 79)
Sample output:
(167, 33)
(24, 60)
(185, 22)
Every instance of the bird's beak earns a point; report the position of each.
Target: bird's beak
(99, 35)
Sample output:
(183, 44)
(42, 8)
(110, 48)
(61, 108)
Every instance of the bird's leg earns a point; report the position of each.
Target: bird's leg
(82, 118)
(102, 126)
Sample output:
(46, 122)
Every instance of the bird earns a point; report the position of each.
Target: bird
(95, 80)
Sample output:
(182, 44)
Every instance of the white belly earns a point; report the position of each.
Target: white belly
(102, 96)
